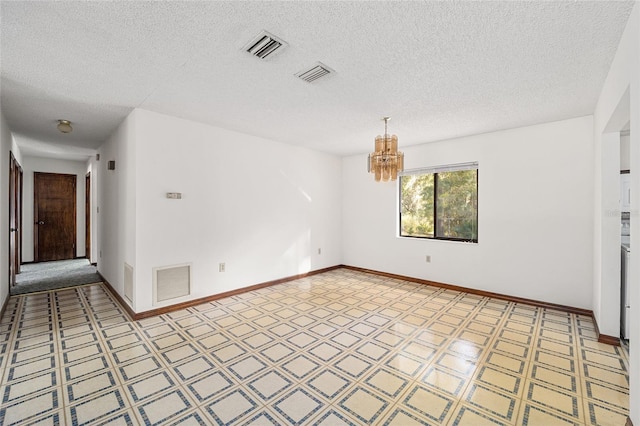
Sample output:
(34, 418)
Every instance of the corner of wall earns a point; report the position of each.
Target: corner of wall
(7, 144)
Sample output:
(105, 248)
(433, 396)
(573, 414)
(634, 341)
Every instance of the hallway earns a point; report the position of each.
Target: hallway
(44, 276)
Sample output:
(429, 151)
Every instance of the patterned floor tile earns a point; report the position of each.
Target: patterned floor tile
(298, 406)
(387, 382)
(430, 404)
(329, 384)
(22, 371)
(97, 408)
(164, 408)
(193, 367)
(338, 348)
(247, 367)
(613, 378)
(149, 386)
(500, 379)
(276, 352)
(445, 381)
(467, 415)
(231, 407)
(556, 378)
(605, 394)
(210, 385)
(332, 417)
(29, 387)
(138, 368)
(455, 363)
(300, 366)
(502, 405)
(561, 402)
(598, 413)
(533, 415)
(401, 417)
(363, 404)
(29, 409)
(270, 384)
(353, 365)
(228, 353)
(179, 353)
(88, 387)
(85, 368)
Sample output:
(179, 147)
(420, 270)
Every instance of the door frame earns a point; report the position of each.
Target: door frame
(36, 251)
(87, 216)
(15, 218)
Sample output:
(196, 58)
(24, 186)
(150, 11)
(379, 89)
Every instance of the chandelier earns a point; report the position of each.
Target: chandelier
(386, 161)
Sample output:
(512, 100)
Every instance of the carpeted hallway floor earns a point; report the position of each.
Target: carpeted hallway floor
(45, 276)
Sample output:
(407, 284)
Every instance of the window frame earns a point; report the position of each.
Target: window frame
(435, 171)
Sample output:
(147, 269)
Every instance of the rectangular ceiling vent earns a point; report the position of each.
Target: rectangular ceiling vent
(312, 74)
(265, 44)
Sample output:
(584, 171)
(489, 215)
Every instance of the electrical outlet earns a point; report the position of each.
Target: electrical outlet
(319, 251)
(221, 267)
(428, 259)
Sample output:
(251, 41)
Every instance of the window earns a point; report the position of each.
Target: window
(440, 203)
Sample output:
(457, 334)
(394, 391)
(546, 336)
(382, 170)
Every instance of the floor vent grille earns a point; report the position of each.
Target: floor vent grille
(128, 282)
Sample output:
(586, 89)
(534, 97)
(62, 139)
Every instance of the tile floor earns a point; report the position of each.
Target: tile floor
(342, 347)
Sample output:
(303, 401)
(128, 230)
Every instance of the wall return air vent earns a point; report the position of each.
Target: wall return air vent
(171, 282)
(265, 44)
(317, 71)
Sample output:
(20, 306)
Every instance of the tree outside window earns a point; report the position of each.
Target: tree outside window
(440, 205)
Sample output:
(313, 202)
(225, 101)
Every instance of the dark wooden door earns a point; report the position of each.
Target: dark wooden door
(87, 216)
(55, 216)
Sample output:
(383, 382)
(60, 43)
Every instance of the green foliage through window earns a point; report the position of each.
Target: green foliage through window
(441, 205)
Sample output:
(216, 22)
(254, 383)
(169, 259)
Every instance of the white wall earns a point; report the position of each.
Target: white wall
(535, 217)
(92, 167)
(619, 102)
(625, 153)
(261, 207)
(116, 205)
(7, 144)
(50, 165)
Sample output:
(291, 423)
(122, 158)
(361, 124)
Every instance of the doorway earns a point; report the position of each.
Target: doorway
(15, 219)
(54, 216)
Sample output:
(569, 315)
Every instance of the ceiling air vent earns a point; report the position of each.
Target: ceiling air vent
(315, 72)
(265, 44)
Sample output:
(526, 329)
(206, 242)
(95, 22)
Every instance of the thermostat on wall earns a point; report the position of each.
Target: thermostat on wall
(174, 195)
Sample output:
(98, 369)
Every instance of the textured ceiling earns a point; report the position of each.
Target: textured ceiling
(439, 69)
